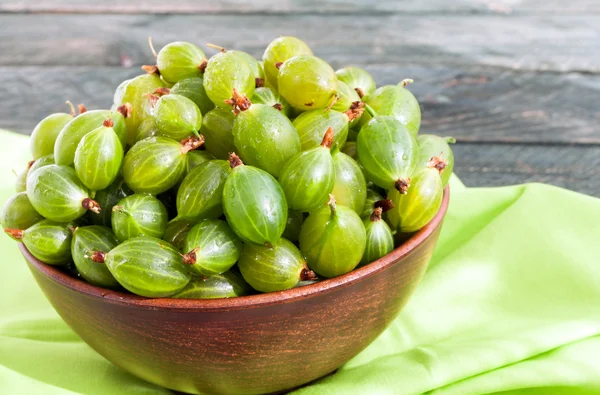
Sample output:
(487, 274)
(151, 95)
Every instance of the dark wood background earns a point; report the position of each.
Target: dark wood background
(517, 82)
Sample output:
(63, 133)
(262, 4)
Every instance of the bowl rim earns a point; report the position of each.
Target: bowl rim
(243, 302)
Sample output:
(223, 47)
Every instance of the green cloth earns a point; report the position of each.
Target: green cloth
(510, 304)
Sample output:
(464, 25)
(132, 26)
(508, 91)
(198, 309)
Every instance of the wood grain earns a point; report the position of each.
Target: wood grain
(564, 44)
(304, 6)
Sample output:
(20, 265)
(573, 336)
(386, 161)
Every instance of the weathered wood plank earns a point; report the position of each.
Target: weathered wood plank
(305, 6)
(547, 43)
(473, 105)
(575, 168)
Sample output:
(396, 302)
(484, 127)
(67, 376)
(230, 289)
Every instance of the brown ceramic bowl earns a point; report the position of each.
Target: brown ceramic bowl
(248, 345)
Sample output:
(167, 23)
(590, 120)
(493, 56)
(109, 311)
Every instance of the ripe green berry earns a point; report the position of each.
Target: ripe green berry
(21, 180)
(193, 89)
(419, 205)
(18, 213)
(176, 116)
(48, 241)
(357, 79)
(196, 158)
(280, 50)
(265, 138)
(70, 136)
(176, 232)
(275, 268)
(333, 240)
(156, 164)
(371, 199)
(45, 133)
(148, 266)
(345, 97)
(146, 129)
(307, 82)
(107, 199)
(257, 70)
(228, 71)
(254, 204)
(217, 129)
(435, 151)
(98, 157)
(179, 60)
(211, 248)
(135, 98)
(397, 102)
(312, 125)
(350, 187)
(225, 285)
(139, 214)
(41, 162)
(293, 225)
(89, 247)
(308, 177)
(380, 240)
(387, 152)
(200, 195)
(118, 95)
(271, 98)
(56, 193)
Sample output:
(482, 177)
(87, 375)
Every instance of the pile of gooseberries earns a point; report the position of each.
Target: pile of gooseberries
(222, 177)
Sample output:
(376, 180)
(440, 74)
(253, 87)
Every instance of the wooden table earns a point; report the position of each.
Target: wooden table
(516, 81)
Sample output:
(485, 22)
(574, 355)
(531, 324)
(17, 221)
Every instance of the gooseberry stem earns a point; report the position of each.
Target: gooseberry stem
(359, 92)
(73, 113)
(152, 47)
(162, 91)
(370, 110)
(259, 82)
(234, 160)
(120, 209)
(81, 108)
(92, 205)
(16, 233)
(108, 123)
(278, 65)
(332, 203)
(328, 138)
(376, 214)
(402, 185)
(238, 101)
(356, 110)
(192, 143)
(98, 256)
(406, 81)
(332, 102)
(307, 275)
(278, 106)
(202, 66)
(125, 109)
(385, 205)
(190, 257)
(151, 69)
(216, 47)
(438, 163)
(449, 140)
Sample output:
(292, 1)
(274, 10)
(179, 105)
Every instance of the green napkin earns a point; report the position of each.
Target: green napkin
(510, 304)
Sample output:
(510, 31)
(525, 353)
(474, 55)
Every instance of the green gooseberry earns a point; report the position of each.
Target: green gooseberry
(179, 60)
(156, 164)
(119, 93)
(70, 136)
(350, 187)
(217, 129)
(107, 199)
(196, 158)
(350, 149)
(18, 213)
(419, 205)
(307, 82)
(200, 195)
(397, 102)
(225, 73)
(176, 232)
(333, 240)
(57, 194)
(139, 214)
(309, 176)
(47, 240)
(278, 51)
(45, 133)
(265, 138)
(21, 179)
(346, 96)
(98, 157)
(358, 79)
(380, 240)
(176, 116)
(146, 129)
(148, 267)
(257, 70)
(136, 100)
(312, 125)
(371, 198)
(387, 152)
(225, 285)
(89, 247)
(271, 98)
(275, 268)
(41, 162)
(212, 248)
(193, 89)
(436, 151)
(293, 225)
(254, 204)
